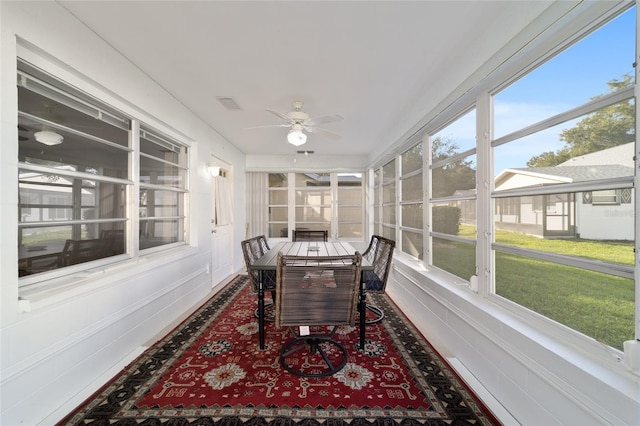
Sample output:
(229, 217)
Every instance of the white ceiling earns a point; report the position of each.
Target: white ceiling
(380, 65)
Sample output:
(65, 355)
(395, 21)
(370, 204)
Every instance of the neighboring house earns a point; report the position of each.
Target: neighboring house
(577, 214)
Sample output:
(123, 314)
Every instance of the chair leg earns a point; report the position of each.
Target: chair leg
(334, 359)
(379, 313)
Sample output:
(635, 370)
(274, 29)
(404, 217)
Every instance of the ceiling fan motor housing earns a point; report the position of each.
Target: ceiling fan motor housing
(298, 116)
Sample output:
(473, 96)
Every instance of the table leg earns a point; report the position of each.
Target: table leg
(260, 310)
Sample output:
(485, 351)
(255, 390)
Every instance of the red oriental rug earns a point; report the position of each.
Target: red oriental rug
(210, 371)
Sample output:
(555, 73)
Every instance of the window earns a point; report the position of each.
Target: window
(349, 206)
(163, 177)
(76, 185)
(553, 235)
(453, 206)
(563, 190)
(278, 205)
(319, 201)
(411, 196)
(389, 200)
(606, 197)
(313, 201)
(377, 200)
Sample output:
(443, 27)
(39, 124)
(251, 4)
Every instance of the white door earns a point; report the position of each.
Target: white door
(222, 227)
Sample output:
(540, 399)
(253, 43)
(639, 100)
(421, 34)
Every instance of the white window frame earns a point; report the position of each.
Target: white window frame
(66, 83)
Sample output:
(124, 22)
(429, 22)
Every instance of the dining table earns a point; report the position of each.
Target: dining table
(269, 261)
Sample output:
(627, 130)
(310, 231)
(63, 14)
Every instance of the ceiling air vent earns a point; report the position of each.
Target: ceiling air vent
(229, 103)
(305, 152)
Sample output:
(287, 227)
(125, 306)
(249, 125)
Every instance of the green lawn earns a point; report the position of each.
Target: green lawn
(598, 305)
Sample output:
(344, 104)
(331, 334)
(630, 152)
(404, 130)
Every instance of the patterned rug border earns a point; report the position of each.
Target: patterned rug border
(452, 400)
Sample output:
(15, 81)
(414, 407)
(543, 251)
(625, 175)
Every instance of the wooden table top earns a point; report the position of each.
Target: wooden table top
(308, 249)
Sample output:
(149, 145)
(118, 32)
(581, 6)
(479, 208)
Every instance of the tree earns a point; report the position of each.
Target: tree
(608, 127)
(453, 176)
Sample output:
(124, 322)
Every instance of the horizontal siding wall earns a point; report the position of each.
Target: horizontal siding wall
(70, 344)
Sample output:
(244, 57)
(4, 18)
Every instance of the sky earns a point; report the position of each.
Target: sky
(568, 80)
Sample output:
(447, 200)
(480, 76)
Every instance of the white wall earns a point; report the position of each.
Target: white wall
(620, 220)
(75, 333)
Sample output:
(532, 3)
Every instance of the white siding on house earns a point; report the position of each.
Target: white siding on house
(619, 219)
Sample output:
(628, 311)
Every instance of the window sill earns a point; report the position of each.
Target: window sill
(56, 290)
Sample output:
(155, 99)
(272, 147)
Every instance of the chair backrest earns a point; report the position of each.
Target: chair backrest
(310, 235)
(379, 254)
(317, 290)
(116, 240)
(253, 249)
(80, 251)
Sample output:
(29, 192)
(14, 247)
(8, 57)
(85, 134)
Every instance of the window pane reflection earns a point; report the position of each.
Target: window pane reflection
(159, 173)
(158, 232)
(159, 203)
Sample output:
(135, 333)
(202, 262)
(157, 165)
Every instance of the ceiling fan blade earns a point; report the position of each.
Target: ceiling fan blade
(324, 119)
(322, 132)
(280, 115)
(268, 125)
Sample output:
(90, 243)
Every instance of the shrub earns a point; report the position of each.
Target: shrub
(446, 219)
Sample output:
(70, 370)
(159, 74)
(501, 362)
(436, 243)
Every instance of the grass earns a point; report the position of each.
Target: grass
(598, 305)
(44, 237)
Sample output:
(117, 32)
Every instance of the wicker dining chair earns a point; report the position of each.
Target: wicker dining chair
(310, 235)
(379, 254)
(315, 295)
(74, 252)
(253, 249)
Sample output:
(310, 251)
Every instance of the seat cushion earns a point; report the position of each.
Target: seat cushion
(372, 282)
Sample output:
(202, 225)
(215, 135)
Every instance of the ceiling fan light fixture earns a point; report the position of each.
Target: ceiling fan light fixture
(296, 137)
(48, 137)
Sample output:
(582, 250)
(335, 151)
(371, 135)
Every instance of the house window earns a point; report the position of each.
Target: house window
(606, 197)
(76, 184)
(572, 152)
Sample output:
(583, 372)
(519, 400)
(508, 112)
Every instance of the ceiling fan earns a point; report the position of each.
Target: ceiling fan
(299, 121)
